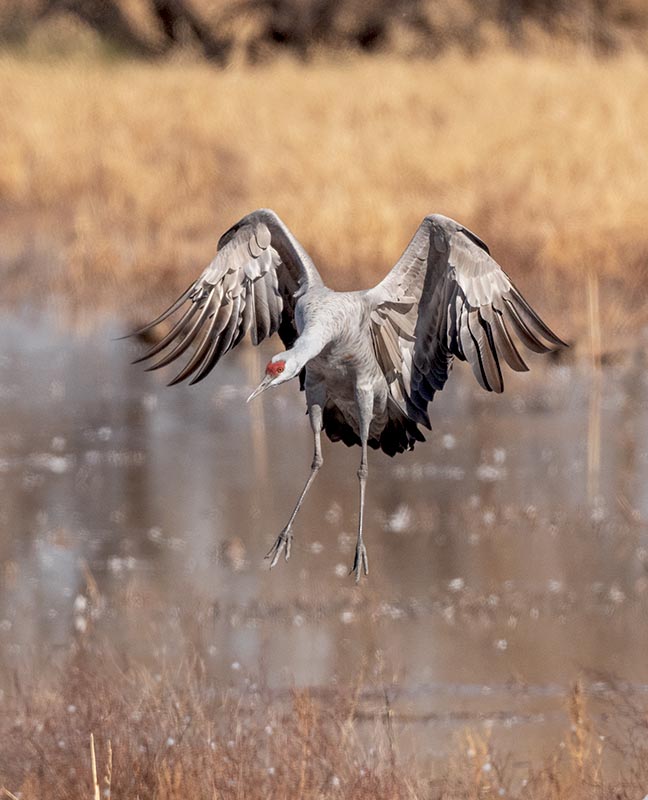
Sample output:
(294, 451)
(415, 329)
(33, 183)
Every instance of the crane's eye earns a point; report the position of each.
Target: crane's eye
(275, 368)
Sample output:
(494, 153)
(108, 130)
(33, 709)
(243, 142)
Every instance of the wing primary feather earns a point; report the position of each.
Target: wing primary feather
(262, 309)
(455, 312)
(506, 345)
(275, 301)
(199, 352)
(247, 314)
(479, 366)
(524, 334)
(424, 389)
(167, 313)
(184, 343)
(175, 331)
(254, 323)
(220, 345)
(471, 349)
(414, 410)
(488, 353)
(533, 321)
(227, 337)
(241, 328)
(468, 347)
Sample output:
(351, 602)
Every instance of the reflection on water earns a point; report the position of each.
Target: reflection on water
(497, 575)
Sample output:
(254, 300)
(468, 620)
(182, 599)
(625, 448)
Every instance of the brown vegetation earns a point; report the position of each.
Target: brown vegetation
(116, 181)
(101, 725)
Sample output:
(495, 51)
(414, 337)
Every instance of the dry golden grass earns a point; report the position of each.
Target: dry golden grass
(100, 725)
(117, 179)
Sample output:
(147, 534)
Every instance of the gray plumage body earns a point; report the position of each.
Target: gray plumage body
(369, 361)
(347, 361)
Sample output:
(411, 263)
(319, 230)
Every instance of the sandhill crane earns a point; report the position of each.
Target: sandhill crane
(369, 361)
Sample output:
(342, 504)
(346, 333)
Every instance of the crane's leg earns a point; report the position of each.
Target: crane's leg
(364, 400)
(283, 543)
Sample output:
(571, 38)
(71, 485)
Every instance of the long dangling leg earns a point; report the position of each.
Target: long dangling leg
(283, 543)
(365, 408)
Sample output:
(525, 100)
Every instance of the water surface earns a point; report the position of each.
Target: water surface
(508, 554)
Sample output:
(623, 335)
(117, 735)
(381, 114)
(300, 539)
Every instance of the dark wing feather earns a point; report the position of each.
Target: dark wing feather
(448, 289)
(251, 286)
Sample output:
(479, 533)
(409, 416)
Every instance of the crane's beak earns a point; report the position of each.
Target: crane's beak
(261, 387)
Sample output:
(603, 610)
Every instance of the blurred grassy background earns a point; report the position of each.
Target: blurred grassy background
(117, 170)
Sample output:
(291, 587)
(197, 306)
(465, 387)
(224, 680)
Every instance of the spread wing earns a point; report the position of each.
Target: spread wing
(251, 285)
(447, 297)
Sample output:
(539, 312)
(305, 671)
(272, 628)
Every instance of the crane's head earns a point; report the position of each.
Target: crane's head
(281, 368)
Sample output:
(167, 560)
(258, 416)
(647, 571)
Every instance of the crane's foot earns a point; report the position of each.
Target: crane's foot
(283, 544)
(360, 562)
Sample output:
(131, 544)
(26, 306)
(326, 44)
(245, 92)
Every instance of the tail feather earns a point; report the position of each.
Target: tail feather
(399, 434)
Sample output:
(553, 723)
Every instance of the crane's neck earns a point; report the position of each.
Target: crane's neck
(310, 344)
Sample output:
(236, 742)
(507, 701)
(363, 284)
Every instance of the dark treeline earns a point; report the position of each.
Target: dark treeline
(260, 28)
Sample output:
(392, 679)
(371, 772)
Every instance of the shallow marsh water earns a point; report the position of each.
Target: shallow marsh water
(508, 554)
